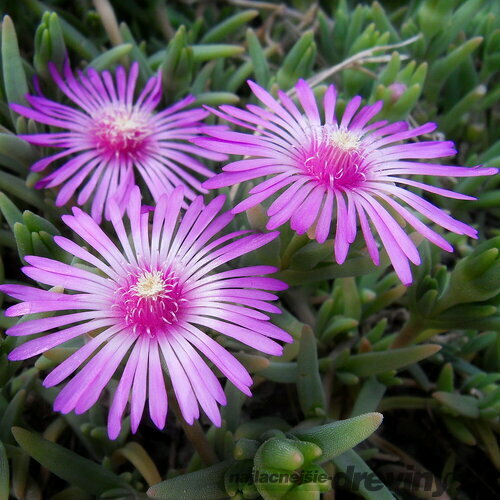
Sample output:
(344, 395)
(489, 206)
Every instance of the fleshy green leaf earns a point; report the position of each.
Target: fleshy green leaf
(337, 437)
(350, 459)
(372, 363)
(210, 481)
(4, 474)
(68, 465)
(16, 86)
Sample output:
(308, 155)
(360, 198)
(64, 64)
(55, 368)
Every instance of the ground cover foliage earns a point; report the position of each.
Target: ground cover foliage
(425, 356)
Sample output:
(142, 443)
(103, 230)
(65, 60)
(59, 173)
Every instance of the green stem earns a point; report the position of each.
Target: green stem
(296, 243)
(195, 435)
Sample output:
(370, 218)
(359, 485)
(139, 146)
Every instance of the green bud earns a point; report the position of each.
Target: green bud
(272, 483)
(279, 454)
(310, 451)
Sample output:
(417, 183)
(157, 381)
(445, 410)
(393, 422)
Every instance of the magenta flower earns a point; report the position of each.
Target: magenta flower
(146, 303)
(114, 137)
(323, 169)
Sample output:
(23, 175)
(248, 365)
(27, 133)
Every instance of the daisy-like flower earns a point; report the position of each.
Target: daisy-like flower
(324, 168)
(114, 136)
(147, 303)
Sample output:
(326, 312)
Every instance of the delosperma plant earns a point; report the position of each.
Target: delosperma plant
(249, 250)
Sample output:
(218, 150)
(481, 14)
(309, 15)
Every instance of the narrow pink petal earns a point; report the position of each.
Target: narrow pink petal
(180, 382)
(398, 258)
(371, 244)
(122, 393)
(325, 218)
(305, 215)
(225, 361)
(71, 364)
(351, 108)
(46, 342)
(140, 383)
(157, 395)
(308, 101)
(341, 244)
(329, 101)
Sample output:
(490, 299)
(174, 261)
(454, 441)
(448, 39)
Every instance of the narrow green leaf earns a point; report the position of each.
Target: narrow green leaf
(443, 68)
(382, 22)
(369, 397)
(459, 430)
(66, 464)
(259, 60)
(372, 363)
(16, 86)
(465, 405)
(215, 51)
(216, 98)
(35, 223)
(4, 473)
(309, 385)
(281, 372)
(17, 187)
(136, 54)
(188, 486)
(12, 415)
(230, 25)
(337, 437)
(72, 37)
(110, 57)
(445, 381)
(469, 101)
(10, 211)
(23, 240)
(355, 266)
(287, 75)
(350, 459)
(57, 46)
(16, 153)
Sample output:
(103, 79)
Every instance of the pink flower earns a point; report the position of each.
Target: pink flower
(319, 169)
(149, 301)
(113, 137)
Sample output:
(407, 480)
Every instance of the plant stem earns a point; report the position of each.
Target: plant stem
(195, 435)
(296, 243)
(407, 334)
